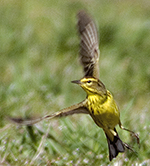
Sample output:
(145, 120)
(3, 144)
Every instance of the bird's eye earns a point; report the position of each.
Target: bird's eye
(89, 81)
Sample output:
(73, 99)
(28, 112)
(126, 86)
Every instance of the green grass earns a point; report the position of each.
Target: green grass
(38, 59)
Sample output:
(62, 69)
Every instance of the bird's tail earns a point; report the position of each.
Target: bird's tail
(115, 146)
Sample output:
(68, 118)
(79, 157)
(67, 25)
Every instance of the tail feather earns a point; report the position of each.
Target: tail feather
(115, 146)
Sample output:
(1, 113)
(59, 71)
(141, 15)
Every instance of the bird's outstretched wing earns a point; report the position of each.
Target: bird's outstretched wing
(74, 109)
(89, 55)
(89, 45)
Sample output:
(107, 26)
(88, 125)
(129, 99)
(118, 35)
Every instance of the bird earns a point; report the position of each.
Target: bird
(99, 102)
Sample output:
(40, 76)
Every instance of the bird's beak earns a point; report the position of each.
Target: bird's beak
(76, 82)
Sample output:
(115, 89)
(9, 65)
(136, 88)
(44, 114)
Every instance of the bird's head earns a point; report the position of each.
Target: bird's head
(91, 85)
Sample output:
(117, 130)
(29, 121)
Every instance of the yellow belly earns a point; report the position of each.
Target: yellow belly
(105, 114)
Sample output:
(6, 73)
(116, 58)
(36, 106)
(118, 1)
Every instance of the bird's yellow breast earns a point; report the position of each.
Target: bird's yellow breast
(104, 111)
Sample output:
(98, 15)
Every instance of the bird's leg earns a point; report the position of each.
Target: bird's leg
(128, 147)
(133, 133)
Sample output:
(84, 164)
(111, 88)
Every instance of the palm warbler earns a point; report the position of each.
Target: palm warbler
(99, 103)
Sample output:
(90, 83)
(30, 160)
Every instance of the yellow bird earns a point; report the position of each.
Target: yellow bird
(99, 103)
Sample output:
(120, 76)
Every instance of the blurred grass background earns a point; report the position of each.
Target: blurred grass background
(39, 57)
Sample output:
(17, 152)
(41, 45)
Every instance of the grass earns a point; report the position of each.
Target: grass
(38, 59)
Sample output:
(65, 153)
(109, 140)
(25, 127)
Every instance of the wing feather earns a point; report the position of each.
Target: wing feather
(89, 45)
(75, 109)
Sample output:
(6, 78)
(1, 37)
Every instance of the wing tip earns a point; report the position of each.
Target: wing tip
(83, 20)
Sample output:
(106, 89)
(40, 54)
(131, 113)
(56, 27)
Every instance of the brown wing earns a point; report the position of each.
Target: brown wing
(75, 109)
(89, 45)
